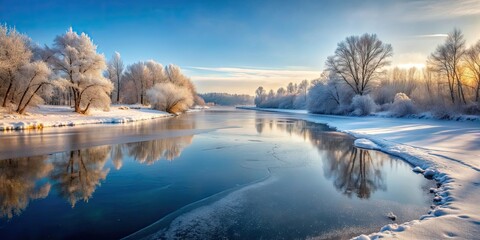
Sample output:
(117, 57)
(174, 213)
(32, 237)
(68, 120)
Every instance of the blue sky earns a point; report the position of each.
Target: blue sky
(235, 46)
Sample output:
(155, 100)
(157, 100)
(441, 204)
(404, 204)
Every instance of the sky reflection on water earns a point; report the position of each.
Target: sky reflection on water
(277, 175)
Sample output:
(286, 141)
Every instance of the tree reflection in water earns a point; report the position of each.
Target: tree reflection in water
(353, 171)
(18, 183)
(78, 173)
(151, 151)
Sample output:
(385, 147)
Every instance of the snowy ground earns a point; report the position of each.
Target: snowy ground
(57, 116)
(447, 150)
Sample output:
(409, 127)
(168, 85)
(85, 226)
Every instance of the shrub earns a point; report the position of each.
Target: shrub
(402, 106)
(170, 98)
(363, 105)
(319, 99)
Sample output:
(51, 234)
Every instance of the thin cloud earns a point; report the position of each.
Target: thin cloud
(252, 74)
(438, 35)
(247, 79)
(421, 10)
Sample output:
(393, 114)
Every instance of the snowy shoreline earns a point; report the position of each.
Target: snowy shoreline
(447, 151)
(60, 116)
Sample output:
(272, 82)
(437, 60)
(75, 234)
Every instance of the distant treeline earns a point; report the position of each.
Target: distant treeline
(226, 99)
(358, 80)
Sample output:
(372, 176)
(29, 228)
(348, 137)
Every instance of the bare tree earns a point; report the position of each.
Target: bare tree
(446, 60)
(358, 60)
(115, 72)
(472, 63)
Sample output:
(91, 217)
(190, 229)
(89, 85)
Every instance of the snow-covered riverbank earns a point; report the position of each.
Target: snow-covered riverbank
(57, 116)
(449, 149)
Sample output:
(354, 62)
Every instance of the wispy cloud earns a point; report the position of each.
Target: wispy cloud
(438, 9)
(438, 35)
(252, 74)
(247, 79)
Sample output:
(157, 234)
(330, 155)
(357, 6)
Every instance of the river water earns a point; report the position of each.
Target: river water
(221, 173)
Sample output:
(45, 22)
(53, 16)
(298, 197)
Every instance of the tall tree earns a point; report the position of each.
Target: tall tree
(446, 60)
(32, 78)
(137, 73)
(358, 60)
(260, 96)
(290, 88)
(303, 87)
(14, 53)
(115, 72)
(472, 62)
(76, 59)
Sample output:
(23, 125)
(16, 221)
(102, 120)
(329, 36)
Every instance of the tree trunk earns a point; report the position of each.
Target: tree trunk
(6, 94)
(461, 96)
(451, 83)
(21, 99)
(477, 93)
(118, 89)
(29, 100)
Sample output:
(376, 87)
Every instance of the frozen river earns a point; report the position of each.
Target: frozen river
(214, 174)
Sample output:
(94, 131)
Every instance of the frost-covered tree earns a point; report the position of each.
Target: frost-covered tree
(77, 61)
(290, 88)
(14, 54)
(156, 72)
(115, 72)
(328, 95)
(260, 96)
(137, 74)
(358, 60)
(226, 99)
(271, 94)
(144, 75)
(174, 75)
(303, 87)
(32, 78)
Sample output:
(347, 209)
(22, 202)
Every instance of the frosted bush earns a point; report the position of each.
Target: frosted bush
(300, 102)
(170, 98)
(363, 105)
(402, 106)
(319, 99)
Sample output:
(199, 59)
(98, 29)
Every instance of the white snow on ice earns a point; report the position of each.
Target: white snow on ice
(366, 144)
(57, 116)
(449, 151)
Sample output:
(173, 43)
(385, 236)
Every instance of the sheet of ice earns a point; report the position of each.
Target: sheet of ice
(57, 116)
(448, 150)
